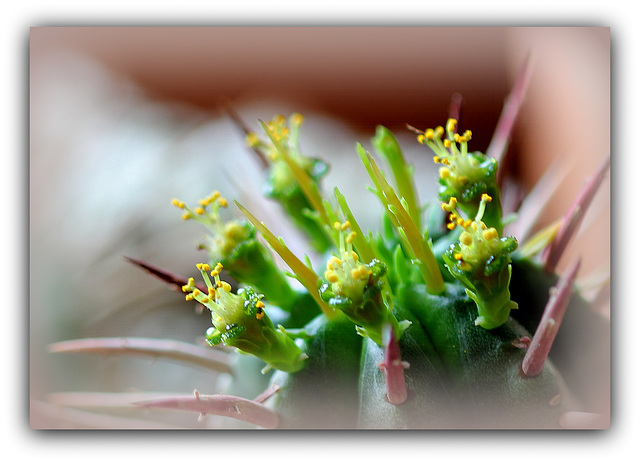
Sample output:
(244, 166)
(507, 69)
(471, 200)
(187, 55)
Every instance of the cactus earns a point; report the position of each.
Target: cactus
(440, 320)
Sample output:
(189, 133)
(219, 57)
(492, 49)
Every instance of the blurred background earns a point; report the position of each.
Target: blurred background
(124, 119)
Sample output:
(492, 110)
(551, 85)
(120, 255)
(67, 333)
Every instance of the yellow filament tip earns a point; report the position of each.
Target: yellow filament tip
(331, 276)
(490, 234)
(465, 238)
(203, 267)
(451, 125)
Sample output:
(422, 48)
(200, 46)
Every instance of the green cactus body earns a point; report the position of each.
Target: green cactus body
(484, 366)
(429, 404)
(325, 393)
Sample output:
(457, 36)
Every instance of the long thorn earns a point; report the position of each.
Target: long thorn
(59, 417)
(101, 399)
(173, 279)
(502, 135)
(583, 421)
(233, 115)
(535, 202)
(393, 367)
(268, 393)
(572, 219)
(455, 106)
(538, 351)
(223, 405)
(160, 348)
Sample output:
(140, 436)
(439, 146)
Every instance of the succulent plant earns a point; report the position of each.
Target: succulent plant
(439, 320)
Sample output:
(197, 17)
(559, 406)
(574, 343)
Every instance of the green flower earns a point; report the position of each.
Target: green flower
(464, 175)
(239, 320)
(480, 260)
(355, 288)
(290, 173)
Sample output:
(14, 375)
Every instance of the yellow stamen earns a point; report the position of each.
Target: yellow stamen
(444, 173)
(177, 203)
(203, 267)
(352, 235)
(445, 161)
(457, 256)
(252, 139)
(429, 134)
(451, 225)
(451, 205)
(223, 202)
(490, 234)
(486, 197)
(331, 276)
(334, 262)
(465, 238)
(297, 119)
(451, 125)
(421, 138)
(447, 144)
(436, 159)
